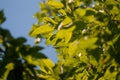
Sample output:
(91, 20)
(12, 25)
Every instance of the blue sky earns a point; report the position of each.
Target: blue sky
(19, 14)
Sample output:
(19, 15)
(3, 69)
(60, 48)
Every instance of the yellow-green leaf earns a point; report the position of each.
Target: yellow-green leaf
(88, 43)
(42, 30)
(65, 34)
(67, 21)
(9, 66)
(80, 12)
(46, 65)
(55, 4)
(72, 48)
(50, 20)
(31, 60)
(61, 11)
(68, 36)
(111, 2)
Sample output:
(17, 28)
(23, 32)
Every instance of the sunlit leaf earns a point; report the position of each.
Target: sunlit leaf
(72, 48)
(80, 12)
(41, 30)
(55, 4)
(61, 11)
(50, 20)
(46, 65)
(66, 21)
(89, 43)
(31, 60)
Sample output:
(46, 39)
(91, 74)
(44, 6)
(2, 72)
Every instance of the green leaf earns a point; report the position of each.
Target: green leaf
(61, 11)
(10, 66)
(46, 77)
(43, 8)
(2, 18)
(66, 21)
(90, 11)
(76, 46)
(20, 41)
(80, 12)
(115, 10)
(46, 65)
(68, 37)
(41, 30)
(1, 40)
(72, 48)
(50, 20)
(111, 2)
(108, 74)
(65, 34)
(55, 4)
(31, 60)
(78, 3)
(90, 18)
(61, 34)
(88, 43)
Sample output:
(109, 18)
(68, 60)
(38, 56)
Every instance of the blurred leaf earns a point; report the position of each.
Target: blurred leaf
(10, 66)
(31, 60)
(2, 18)
(48, 63)
(115, 10)
(1, 39)
(90, 11)
(111, 2)
(21, 40)
(108, 73)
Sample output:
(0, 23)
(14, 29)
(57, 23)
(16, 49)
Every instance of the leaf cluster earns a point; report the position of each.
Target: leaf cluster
(86, 36)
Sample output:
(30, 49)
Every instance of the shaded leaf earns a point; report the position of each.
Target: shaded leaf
(2, 17)
(111, 2)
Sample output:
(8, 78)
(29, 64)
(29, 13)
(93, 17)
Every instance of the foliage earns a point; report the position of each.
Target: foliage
(19, 61)
(86, 36)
